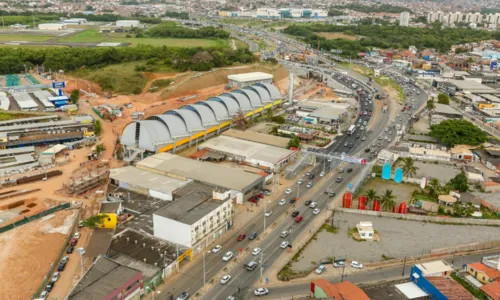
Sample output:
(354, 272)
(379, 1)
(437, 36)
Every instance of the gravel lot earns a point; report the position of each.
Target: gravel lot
(440, 171)
(398, 238)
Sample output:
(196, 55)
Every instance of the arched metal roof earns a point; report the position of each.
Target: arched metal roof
(264, 95)
(242, 100)
(175, 124)
(206, 114)
(273, 91)
(191, 119)
(152, 133)
(128, 135)
(218, 108)
(231, 104)
(252, 96)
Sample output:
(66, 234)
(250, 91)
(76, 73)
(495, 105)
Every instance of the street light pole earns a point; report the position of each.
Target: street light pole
(265, 210)
(204, 274)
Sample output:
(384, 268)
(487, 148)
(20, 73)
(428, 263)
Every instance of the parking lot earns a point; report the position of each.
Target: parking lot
(398, 239)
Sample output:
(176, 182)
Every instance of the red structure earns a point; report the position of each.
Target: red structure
(347, 200)
(395, 209)
(362, 202)
(403, 208)
(376, 205)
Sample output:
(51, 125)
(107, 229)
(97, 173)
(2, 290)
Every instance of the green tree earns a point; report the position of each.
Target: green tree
(94, 221)
(430, 105)
(100, 148)
(387, 201)
(454, 132)
(98, 127)
(294, 142)
(409, 168)
(463, 209)
(444, 99)
(75, 96)
(459, 182)
(371, 195)
(434, 187)
(279, 119)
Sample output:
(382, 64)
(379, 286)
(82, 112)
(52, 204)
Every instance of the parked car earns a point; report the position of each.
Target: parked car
(308, 202)
(55, 277)
(320, 269)
(322, 174)
(73, 242)
(227, 256)
(356, 264)
(252, 236)
(292, 200)
(284, 244)
(288, 191)
(295, 213)
(298, 219)
(339, 264)
(284, 234)
(256, 251)
(61, 266)
(282, 202)
(183, 296)
(309, 185)
(70, 249)
(43, 295)
(261, 292)
(49, 286)
(349, 170)
(241, 237)
(76, 235)
(225, 279)
(81, 250)
(216, 249)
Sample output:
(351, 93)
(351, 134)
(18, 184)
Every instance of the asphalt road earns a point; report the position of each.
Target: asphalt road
(373, 276)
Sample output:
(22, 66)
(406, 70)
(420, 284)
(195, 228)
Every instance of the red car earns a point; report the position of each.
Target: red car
(241, 237)
(298, 219)
(254, 199)
(360, 113)
(261, 195)
(73, 242)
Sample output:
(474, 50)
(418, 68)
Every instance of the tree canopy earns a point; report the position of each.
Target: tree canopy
(455, 132)
(172, 30)
(459, 182)
(444, 99)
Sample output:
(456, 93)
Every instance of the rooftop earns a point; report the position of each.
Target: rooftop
(146, 179)
(258, 137)
(229, 178)
(330, 113)
(450, 288)
(247, 149)
(344, 290)
(434, 267)
(192, 203)
(446, 109)
(491, 198)
(492, 289)
(472, 86)
(492, 273)
(103, 277)
(253, 76)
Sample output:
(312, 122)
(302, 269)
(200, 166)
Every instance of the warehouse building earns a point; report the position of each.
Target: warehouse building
(258, 137)
(250, 153)
(25, 101)
(52, 26)
(128, 23)
(196, 218)
(247, 79)
(180, 128)
(146, 182)
(238, 182)
(320, 112)
(31, 120)
(43, 97)
(444, 112)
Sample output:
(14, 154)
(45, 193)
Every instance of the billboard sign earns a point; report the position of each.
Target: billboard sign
(58, 84)
(493, 65)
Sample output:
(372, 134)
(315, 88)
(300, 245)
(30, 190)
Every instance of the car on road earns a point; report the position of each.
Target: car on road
(55, 276)
(295, 213)
(76, 235)
(322, 174)
(367, 150)
(227, 256)
(261, 292)
(225, 279)
(183, 296)
(339, 264)
(363, 138)
(316, 211)
(308, 202)
(313, 205)
(329, 160)
(268, 213)
(298, 219)
(216, 249)
(320, 269)
(81, 250)
(341, 170)
(356, 264)
(70, 249)
(282, 202)
(252, 236)
(288, 191)
(349, 170)
(369, 113)
(380, 138)
(350, 145)
(251, 266)
(311, 176)
(73, 242)
(300, 181)
(256, 251)
(43, 295)
(309, 185)
(357, 136)
(284, 244)
(241, 237)
(360, 113)
(284, 234)
(308, 173)
(339, 179)
(346, 144)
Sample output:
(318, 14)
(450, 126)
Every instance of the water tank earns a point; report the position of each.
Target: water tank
(346, 200)
(376, 205)
(403, 208)
(362, 202)
(395, 209)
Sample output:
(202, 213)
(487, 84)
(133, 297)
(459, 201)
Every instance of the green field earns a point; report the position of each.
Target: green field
(24, 37)
(171, 42)
(89, 36)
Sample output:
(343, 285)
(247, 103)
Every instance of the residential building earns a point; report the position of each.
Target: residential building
(247, 79)
(489, 200)
(404, 19)
(483, 273)
(435, 16)
(473, 18)
(107, 279)
(323, 289)
(492, 290)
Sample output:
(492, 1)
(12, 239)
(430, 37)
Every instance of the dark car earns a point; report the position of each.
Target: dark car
(311, 176)
(295, 213)
(73, 242)
(339, 179)
(292, 200)
(349, 170)
(70, 249)
(308, 202)
(49, 287)
(357, 136)
(252, 236)
(351, 145)
(61, 267)
(241, 237)
(254, 199)
(367, 150)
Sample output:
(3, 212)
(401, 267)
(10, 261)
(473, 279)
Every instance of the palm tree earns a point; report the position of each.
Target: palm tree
(388, 202)
(409, 168)
(434, 187)
(371, 195)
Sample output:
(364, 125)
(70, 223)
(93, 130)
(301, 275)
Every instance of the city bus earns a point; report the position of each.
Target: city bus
(351, 129)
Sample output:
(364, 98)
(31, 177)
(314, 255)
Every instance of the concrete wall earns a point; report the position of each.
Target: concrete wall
(172, 231)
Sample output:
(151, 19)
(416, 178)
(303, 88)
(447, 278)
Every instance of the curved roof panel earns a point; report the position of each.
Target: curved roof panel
(231, 104)
(218, 108)
(273, 90)
(128, 134)
(152, 133)
(175, 124)
(191, 118)
(206, 113)
(264, 95)
(252, 96)
(242, 100)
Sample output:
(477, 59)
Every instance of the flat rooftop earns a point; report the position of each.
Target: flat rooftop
(258, 137)
(205, 172)
(29, 120)
(433, 267)
(147, 179)
(445, 109)
(52, 125)
(247, 149)
(253, 76)
(192, 203)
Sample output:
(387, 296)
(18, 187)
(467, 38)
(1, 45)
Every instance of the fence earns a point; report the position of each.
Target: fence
(34, 217)
(444, 220)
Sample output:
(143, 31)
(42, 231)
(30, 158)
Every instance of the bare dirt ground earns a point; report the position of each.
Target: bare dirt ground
(337, 35)
(27, 253)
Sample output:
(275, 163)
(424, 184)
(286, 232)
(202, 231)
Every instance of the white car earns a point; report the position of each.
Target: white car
(300, 181)
(81, 250)
(321, 174)
(284, 244)
(225, 279)
(288, 191)
(310, 184)
(316, 211)
(55, 277)
(76, 235)
(313, 205)
(268, 213)
(339, 264)
(261, 292)
(284, 234)
(256, 251)
(282, 202)
(216, 249)
(227, 256)
(356, 264)
(320, 269)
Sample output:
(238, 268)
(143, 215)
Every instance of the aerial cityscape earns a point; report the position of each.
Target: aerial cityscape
(234, 150)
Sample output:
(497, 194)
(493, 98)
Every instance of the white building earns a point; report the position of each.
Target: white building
(404, 19)
(268, 13)
(52, 26)
(247, 79)
(435, 16)
(128, 23)
(493, 19)
(196, 218)
(473, 18)
(365, 230)
(75, 21)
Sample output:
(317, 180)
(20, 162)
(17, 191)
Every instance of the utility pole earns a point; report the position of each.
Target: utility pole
(261, 264)
(204, 273)
(343, 270)
(404, 265)
(265, 211)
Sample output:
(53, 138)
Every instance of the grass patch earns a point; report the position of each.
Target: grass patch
(385, 257)
(488, 214)
(7, 115)
(25, 37)
(424, 197)
(171, 42)
(387, 82)
(359, 69)
(240, 44)
(88, 36)
(329, 228)
(159, 84)
(337, 35)
(469, 287)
